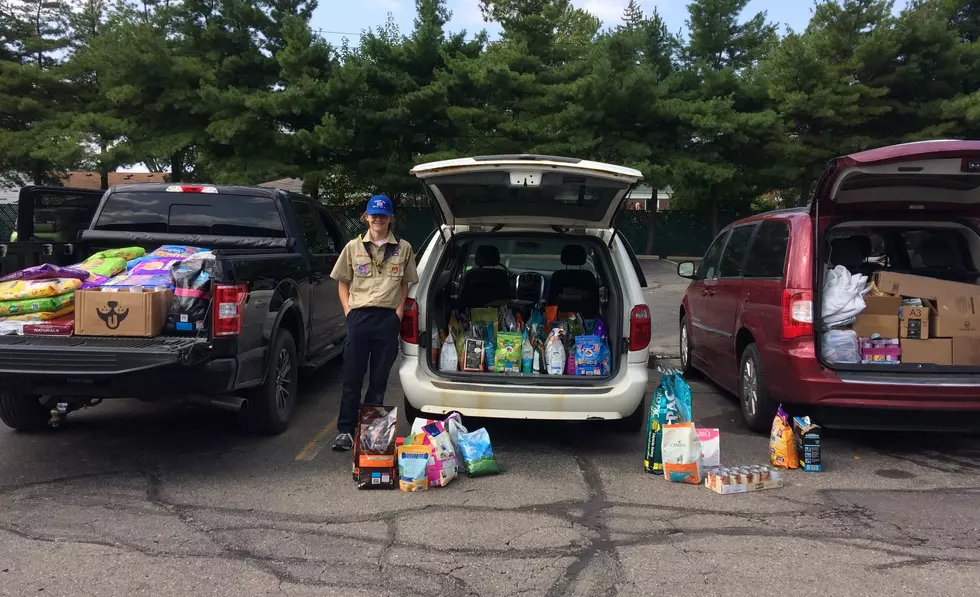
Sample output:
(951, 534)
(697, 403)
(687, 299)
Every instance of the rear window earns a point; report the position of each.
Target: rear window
(521, 255)
(485, 194)
(60, 216)
(185, 213)
(767, 258)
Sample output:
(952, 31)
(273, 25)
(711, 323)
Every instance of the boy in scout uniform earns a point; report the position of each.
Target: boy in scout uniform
(373, 273)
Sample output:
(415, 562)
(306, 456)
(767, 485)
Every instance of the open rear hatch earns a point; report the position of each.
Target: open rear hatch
(906, 217)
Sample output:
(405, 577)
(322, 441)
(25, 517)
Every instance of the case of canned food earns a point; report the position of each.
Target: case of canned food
(743, 479)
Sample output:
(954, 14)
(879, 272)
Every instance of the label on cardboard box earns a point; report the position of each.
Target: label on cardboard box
(135, 314)
(937, 351)
(914, 322)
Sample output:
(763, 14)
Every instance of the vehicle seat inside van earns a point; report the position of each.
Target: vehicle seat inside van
(941, 259)
(852, 252)
(574, 290)
(487, 282)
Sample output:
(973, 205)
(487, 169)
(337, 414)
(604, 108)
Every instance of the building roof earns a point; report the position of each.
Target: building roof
(92, 180)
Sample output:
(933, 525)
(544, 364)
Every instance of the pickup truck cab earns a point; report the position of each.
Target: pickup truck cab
(274, 306)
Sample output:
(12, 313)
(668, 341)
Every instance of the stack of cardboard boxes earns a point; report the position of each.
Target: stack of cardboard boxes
(944, 330)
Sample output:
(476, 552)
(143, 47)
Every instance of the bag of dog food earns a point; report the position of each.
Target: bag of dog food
(442, 466)
(48, 304)
(782, 443)
(682, 453)
(507, 358)
(671, 404)
(477, 453)
(46, 272)
(41, 315)
(16, 290)
(125, 254)
(374, 447)
(412, 459)
(106, 267)
(448, 359)
(192, 294)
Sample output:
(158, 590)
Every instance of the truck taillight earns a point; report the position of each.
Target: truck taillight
(797, 313)
(640, 328)
(229, 309)
(191, 188)
(410, 322)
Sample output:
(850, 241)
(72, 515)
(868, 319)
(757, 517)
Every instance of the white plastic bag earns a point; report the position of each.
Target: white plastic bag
(448, 359)
(454, 426)
(843, 297)
(840, 346)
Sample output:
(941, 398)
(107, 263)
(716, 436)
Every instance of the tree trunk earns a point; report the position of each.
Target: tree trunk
(37, 172)
(103, 168)
(177, 167)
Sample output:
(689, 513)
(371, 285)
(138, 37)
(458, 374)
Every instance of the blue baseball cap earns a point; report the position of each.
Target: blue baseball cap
(379, 205)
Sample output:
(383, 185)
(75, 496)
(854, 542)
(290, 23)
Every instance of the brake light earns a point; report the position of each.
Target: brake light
(797, 313)
(640, 328)
(229, 309)
(189, 188)
(410, 322)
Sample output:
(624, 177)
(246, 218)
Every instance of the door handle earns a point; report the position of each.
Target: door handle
(707, 293)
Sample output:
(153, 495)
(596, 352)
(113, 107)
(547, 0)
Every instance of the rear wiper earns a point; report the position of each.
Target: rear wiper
(559, 229)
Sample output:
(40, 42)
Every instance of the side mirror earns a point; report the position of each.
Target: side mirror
(686, 269)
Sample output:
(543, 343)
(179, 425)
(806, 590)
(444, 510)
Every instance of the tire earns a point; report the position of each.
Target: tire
(684, 344)
(271, 405)
(634, 422)
(753, 395)
(23, 412)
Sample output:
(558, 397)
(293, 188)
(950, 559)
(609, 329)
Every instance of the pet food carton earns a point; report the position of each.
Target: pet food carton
(808, 439)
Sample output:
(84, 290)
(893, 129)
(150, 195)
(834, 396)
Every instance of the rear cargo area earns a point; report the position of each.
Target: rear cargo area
(900, 296)
(510, 308)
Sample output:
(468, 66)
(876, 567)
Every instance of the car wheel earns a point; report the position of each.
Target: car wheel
(633, 422)
(23, 412)
(270, 406)
(684, 342)
(753, 394)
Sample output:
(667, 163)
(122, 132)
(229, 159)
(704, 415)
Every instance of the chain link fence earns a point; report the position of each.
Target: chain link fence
(8, 219)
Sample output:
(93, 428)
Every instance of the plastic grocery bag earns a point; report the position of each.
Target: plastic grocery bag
(682, 453)
(16, 290)
(412, 459)
(782, 443)
(841, 346)
(448, 359)
(843, 297)
(454, 426)
(477, 453)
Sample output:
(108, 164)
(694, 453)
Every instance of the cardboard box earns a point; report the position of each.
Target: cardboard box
(955, 317)
(921, 287)
(140, 313)
(808, 440)
(937, 351)
(880, 316)
(745, 488)
(966, 352)
(913, 321)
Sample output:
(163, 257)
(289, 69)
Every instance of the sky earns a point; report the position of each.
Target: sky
(337, 19)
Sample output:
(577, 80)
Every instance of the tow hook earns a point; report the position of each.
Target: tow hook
(58, 414)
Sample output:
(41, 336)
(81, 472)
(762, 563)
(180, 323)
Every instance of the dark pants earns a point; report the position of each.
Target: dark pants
(372, 335)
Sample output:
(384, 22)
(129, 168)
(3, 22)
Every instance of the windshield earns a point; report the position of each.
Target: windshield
(489, 194)
(187, 213)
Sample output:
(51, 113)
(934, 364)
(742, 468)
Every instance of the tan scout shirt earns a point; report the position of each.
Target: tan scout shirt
(376, 274)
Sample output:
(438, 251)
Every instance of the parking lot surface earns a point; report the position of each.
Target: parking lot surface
(138, 499)
(664, 292)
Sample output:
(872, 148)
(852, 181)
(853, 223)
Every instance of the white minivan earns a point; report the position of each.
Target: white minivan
(527, 230)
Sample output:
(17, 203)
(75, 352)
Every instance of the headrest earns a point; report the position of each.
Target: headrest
(487, 256)
(574, 255)
(936, 253)
(851, 251)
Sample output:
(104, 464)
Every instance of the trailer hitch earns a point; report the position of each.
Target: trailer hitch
(61, 409)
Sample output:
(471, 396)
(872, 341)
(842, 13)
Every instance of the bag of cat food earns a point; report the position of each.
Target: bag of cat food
(16, 290)
(782, 442)
(374, 447)
(102, 266)
(507, 358)
(412, 459)
(49, 304)
(681, 453)
(46, 272)
(442, 466)
(477, 453)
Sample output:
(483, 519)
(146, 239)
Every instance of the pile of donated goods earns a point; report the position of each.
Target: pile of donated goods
(41, 300)
(893, 318)
(498, 340)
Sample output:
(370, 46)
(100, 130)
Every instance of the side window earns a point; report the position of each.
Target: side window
(767, 257)
(735, 252)
(709, 267)
(309, 225)
(333, 237)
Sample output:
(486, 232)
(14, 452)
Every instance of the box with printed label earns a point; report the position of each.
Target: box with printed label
(808, 439)
(956, 317)
(914, 321)
(139, 313)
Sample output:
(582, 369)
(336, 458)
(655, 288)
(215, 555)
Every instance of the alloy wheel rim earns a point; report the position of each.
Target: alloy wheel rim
(684, 347)
(750, 389)
(283, 381)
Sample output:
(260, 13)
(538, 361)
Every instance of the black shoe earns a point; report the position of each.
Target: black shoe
(343, 443)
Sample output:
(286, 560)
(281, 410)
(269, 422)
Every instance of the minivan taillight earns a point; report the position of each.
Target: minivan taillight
(640, 328)
(410, 322)
(229, 309)
(797, 313)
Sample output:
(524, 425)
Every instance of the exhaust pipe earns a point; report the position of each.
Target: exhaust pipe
(232, 403)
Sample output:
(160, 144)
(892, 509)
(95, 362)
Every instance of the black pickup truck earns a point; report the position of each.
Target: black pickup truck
(274, 306)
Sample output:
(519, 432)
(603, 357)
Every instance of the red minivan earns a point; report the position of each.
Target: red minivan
(748, 317)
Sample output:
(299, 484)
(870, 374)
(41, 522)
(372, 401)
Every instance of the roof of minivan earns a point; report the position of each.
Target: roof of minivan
(905, 151)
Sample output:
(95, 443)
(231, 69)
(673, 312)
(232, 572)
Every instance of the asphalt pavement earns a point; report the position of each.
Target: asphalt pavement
(137, 499)
(664, 293)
